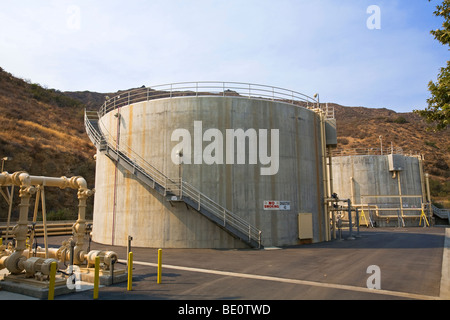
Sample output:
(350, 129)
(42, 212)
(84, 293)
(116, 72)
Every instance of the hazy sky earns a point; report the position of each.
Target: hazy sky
(348, 51)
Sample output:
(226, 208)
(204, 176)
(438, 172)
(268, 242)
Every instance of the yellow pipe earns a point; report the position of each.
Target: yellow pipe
(44, 220)
(324, 174)
(51, 285)
(27, 185)
(381, 216)
(425, 219)
(9, 213)
(96, 276)
(159, 265)
(130, 271)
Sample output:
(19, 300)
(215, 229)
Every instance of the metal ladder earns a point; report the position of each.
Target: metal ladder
(173, 189)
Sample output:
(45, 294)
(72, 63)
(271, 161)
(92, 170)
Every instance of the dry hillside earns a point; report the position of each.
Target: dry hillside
(360, 128)
(43, 131)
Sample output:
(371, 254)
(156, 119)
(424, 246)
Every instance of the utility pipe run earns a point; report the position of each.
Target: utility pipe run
(15, 262)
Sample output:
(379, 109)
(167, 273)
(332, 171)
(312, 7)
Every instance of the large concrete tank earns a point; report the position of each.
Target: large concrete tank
(259, 158)
(391, 187)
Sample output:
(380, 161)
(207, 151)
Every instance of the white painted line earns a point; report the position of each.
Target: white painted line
(445, 275)
(294, 281)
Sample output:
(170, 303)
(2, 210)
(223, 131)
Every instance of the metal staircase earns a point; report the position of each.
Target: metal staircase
(441, 213)
(172, 189)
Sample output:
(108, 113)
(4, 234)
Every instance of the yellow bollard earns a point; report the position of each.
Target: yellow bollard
(159, 265)
(96, 276)
(130, 271)
(51, 284)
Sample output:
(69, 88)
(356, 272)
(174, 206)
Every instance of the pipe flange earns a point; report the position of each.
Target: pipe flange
(110, 258)
(74, 184)
(15, 263)
(46, 265)
(16, 177)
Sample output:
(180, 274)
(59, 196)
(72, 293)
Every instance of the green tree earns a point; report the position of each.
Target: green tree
(438, 110)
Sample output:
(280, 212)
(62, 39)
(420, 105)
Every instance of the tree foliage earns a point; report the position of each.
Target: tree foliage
(438, 110)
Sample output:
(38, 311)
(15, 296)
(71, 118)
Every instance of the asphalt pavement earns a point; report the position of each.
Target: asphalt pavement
(379, 264)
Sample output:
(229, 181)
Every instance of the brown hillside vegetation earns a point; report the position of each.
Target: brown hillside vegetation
(43, 131)
(361, 128)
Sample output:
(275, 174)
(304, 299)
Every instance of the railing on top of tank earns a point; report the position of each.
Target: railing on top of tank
(213, 88)
(371, 151)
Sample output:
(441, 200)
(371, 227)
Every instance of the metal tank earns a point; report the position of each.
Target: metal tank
(389, 189)
(211, 165)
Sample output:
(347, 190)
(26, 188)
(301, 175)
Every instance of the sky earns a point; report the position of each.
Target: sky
(376, 54)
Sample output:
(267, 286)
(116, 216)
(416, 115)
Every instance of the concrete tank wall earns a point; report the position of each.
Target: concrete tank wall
(124, 206)
(366, 178)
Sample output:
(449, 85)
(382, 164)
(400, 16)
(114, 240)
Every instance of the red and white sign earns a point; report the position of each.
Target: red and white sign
(277, 205)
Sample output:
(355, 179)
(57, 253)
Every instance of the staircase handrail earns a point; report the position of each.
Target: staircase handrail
(220, 212)
(441, 213)
(177, 186)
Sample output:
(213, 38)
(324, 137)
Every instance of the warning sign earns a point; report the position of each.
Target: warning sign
(277, 205)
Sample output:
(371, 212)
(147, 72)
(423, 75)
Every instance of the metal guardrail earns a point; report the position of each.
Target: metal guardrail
(441, 213)
(372, 151)
(103, 139)
(214, 88)
(228, 217)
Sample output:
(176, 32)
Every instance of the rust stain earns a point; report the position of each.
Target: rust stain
(130, 126)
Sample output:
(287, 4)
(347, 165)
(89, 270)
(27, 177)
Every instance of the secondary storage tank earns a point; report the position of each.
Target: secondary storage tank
(244, 151)
(389, 188)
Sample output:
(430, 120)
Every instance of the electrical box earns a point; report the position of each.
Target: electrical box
(305, 226)
(396, 162)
